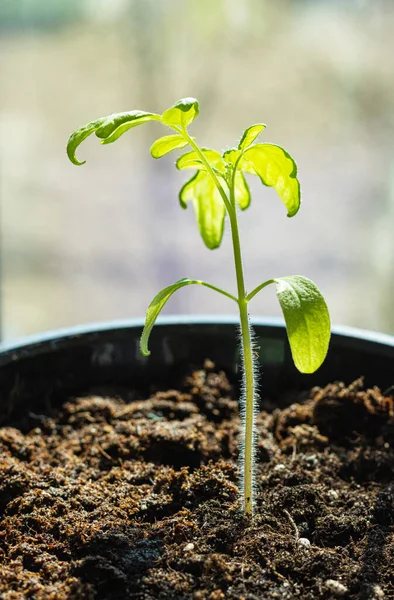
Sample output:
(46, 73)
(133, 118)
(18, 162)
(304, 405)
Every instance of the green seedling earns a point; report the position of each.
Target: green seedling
(217, 190)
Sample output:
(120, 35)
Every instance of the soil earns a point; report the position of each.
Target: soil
(109, 498)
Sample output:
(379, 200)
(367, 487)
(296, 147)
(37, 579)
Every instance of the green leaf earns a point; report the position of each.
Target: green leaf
(192, 160)
(181, 114)
(307, 321)
(241, 191)
(250, 135)
(276, 169)
(231, 156)
(78, 136)
(208, 206)
(116, 125)
(166, 144)
(108, 129)
(155, 308)
(160, 300)
(241, 188)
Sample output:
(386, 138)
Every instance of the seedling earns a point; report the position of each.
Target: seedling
(217, 189)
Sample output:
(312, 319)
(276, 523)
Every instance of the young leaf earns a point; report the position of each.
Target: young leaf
(78, 136)
(116, 125)
(250, 135)
(191, 160)
(181, 114)
(154, 310)
(277, 169)
(166, 144)
(108, 129)
(231, 156)
(160, 300)
(307, 321)
(208, 206)
(241, 191)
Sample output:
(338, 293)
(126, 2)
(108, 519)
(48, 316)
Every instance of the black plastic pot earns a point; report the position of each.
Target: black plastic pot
(46, 369)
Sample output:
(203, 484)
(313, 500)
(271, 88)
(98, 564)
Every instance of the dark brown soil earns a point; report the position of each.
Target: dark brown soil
(112, 499)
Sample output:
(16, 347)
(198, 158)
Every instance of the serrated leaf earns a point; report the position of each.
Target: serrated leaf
(181, 114)
(155, 308)
(208, 206)
(192, 160)
(241, 191)
(307, 321)
(250, 135)
(108, 129)
(276, 169)
(166, 144)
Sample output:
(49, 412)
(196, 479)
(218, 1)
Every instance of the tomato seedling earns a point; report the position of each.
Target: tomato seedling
(218, 188)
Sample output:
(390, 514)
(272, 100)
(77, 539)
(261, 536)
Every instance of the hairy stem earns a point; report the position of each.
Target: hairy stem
(247, 460)
(247, 468)
(248, 417)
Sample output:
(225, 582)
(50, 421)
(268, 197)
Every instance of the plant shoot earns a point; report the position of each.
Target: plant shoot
(217, 189)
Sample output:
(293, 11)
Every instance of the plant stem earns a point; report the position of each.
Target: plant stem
(258, 289)
(247, 464)
(247, 468)
(208, 167)
(216, 289)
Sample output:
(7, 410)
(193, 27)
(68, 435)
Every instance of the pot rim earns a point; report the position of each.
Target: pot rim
(75, 331)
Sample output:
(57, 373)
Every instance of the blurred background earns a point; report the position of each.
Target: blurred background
(97, 242)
